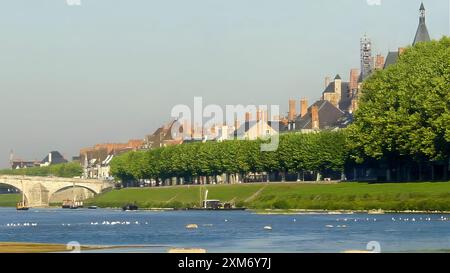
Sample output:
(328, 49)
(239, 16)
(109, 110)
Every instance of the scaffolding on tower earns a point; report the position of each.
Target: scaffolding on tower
(366, 57)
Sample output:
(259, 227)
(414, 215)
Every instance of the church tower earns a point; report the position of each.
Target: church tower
(422, 34)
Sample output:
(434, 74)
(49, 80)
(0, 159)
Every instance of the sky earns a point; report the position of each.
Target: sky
(111, 70)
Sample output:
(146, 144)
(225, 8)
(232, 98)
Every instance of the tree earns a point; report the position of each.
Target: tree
(404, 110)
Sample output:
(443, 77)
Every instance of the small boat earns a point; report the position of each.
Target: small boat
(22, 206)
(92, 207)
(72, 204)
(216, 205)
(268, 228)
(129, 207)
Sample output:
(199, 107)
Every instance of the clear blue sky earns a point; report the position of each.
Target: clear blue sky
(110, 70)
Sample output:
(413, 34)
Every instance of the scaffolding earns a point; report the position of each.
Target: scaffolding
(366, 56)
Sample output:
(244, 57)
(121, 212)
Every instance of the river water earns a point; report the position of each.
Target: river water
(225, 232)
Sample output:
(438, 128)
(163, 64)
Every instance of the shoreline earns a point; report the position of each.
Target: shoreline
(338, 212)
(30, 247)
(280, 211)
(21, 247)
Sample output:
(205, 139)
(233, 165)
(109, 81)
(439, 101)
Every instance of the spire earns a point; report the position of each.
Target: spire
(422, 13)
(422, 7)
(422, 34)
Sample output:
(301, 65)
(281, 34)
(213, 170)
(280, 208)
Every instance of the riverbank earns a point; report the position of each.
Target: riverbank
(389, 197)
(426, 197)
(9, 200)
(16, 247)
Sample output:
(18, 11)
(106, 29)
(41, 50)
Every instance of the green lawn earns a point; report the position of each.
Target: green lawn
(9, 200)
(354, 196)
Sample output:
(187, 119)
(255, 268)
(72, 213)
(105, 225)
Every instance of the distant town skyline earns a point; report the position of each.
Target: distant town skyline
(109, 70)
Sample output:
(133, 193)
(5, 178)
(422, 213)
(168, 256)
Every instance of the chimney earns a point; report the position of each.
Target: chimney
(292, 110)
(259, 115)
(327, 81)
(337, 85)
(303, 107)
(248, 116)
(315, 117)
(379, 62)
(354, 75)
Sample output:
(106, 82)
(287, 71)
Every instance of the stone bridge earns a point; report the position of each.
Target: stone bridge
(38, 191)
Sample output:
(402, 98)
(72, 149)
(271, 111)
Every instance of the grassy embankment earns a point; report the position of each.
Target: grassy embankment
(9, 200)
(343, 196)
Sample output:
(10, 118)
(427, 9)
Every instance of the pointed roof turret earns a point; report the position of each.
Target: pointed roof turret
(338, 77)
(422, 34)
(422, 7)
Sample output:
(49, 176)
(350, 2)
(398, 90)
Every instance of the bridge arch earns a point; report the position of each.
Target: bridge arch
(39, 190)
(17, 187)
(53, 195)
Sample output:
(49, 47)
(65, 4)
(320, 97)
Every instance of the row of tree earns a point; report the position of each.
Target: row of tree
(68, 170)
(296, 153)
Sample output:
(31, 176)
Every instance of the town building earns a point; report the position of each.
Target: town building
(96, 160)
(53, 158)
(322, 115)
(23, 164)
(164, 136)
(422, 35)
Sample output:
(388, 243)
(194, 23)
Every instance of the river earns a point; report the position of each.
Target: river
(224, 232)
